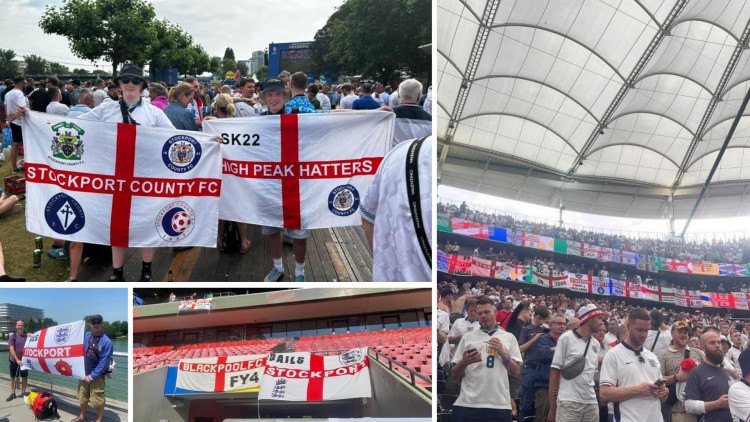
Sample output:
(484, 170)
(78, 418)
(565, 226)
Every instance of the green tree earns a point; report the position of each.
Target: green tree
(229, 53)
(215, 65)
(118, 31)
(228, 65)
(58, 69)
(379, 39)
(171, 47)
(261, 73)
(199, 60)
(99, 72)
(35, 65)
(81, 71)
(8, 65)
(242, 67)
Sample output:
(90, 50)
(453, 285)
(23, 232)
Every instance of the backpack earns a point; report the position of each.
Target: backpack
(232, 242)
(45, 406)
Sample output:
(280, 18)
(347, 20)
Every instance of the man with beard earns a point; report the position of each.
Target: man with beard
(670, 361)
(629, 374)
(707, 388)
(484, 358)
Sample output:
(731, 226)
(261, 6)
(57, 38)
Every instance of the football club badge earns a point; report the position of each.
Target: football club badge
(181, 153)
(62, 334)
(351, 357)
(343, 200)
(67, 143)
(64, 214)
(175, 221)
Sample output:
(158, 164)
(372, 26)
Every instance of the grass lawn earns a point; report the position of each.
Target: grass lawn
(18, 245)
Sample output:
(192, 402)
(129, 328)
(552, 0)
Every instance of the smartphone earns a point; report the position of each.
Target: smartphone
(545, 331)
(659, 383)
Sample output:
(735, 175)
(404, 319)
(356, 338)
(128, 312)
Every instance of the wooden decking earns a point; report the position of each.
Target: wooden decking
(338, 254)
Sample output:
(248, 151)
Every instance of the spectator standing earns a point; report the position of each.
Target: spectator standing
(670, 361)
(707, 389)
(739, 392)
(659, 337)
(366, 102)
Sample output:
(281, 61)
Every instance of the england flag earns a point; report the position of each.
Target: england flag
(223, 373)
(56, 350)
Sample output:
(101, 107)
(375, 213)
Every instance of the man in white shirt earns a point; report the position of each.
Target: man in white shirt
(659, 336)
(739, 392)
(442, 316)
(574, 398)
(248, 107)
(483, 360)
(348, 96)
(610, 339)
(466, 325)
(629, 375)
(325, 102)
(735, 350)
(13, 100)
(100, 94)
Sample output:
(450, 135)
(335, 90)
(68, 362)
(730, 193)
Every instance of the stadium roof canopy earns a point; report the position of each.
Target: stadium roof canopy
(604, 106)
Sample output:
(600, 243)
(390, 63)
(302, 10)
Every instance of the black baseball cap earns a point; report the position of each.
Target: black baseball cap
(96, 317)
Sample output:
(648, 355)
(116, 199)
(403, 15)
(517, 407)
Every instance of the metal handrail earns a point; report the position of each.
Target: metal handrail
(181, 298)
(412, 373)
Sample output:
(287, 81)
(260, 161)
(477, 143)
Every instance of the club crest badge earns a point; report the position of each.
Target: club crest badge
(67, 144)
(351, 357)
(343, 200)
(181, 153)
(64, 214)
(62, 334)
(175, 221)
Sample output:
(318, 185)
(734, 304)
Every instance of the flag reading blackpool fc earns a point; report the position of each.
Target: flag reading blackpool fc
(303, 376)
(56, 350)
(223, 373)
(121, 185)
(300, 170)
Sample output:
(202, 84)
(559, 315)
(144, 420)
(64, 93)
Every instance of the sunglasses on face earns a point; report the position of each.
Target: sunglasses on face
(134, 81)
(96, 322)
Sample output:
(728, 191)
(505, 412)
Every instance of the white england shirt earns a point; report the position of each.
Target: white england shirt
(397, 255)
(483, 387)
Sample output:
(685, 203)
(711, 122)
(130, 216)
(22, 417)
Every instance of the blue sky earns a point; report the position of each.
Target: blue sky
(70, 304)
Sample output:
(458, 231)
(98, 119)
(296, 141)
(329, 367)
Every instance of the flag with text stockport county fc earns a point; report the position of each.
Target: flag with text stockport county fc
(300, 170)
(56, 350)
(221, 373)
(303, 376)
(120, 185)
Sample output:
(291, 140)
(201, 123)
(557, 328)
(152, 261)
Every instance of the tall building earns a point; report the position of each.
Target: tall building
(10, 313)
(256, 61)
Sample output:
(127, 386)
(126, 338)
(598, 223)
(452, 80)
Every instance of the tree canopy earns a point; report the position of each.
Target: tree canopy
(118, 31)
(379, 39)
(8, 65)
(261, 73)
(229, 53)
(35, 65)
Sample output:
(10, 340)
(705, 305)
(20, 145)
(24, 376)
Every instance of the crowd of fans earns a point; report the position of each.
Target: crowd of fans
(555, 358)
(724, 251)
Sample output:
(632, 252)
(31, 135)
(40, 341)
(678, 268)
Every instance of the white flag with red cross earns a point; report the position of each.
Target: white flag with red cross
(57, 350)
(300, 171)
(121, 185)
(304, 376)
(222, 373)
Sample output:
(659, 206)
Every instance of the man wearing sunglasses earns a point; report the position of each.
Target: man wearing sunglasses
(631, 375)
(97, 356)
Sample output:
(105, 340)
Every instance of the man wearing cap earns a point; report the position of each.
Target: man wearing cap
(483, 360)
(629, 373)
(670, 361)
(575, 398)
(708, 384)
(96, 360)
(739, 392)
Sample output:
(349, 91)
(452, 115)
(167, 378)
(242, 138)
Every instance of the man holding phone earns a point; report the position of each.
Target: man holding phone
(483, 360)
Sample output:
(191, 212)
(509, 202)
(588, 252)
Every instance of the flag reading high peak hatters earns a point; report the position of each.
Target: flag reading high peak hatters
(56, 350)
(120, 185)
(300, 170)
(304, 376)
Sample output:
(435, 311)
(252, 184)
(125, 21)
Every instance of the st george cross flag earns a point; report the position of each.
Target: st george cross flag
(120, 185)
(223, 373)
(56, 350)
(300, 170)
(303, 376)
(194, 304)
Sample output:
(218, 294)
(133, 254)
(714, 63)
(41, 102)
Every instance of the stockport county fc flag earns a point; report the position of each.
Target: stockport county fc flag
(120, 185)
(304, 376)
(56, 350)
(300, 170)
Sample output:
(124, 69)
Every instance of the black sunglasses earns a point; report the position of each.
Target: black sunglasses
(97, 322)
(127, 80)
(640, 358)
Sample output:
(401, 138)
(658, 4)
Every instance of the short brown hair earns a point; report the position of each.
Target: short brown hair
(638, 313)
(542, 311)
(299, 81)
(347, 87)
(244, 81)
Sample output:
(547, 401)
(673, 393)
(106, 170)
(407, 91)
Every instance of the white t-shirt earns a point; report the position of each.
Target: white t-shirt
(739, 400)
(733, 355)
(394, 100)
(247, 110)
(57, 108)
(397, 255)
(348, 101)
(99, 96)
(609, 338)
(483, 387)
(145, 114)
(665, 338)
(463, 326)
(325, 102)
(570, 346)
(13, 99)
(622, 368)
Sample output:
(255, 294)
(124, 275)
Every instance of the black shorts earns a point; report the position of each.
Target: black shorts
(16, 131)
(14, 370)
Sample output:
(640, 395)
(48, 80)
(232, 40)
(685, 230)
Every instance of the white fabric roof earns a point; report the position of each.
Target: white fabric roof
(635, 92)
